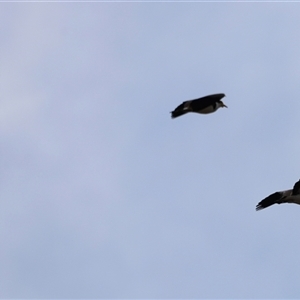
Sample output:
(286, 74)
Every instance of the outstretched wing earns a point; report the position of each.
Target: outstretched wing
(270, 200)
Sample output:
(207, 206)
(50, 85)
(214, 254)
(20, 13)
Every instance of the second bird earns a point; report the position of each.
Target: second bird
(204, 105)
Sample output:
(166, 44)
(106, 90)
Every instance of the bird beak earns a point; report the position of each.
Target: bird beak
(224, 105)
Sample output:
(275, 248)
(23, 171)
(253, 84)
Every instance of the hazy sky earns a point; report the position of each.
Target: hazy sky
(103, 195)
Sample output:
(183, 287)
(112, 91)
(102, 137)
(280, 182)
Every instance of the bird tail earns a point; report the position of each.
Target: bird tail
(182, 109)
(177, 113)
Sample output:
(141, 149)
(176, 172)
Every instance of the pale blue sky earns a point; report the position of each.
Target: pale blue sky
(103, 195)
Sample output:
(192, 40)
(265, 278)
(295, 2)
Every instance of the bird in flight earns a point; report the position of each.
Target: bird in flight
(288, 196)
(204, 105)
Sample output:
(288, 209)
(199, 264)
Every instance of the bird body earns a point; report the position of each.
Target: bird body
(204, 105)
(287, 196)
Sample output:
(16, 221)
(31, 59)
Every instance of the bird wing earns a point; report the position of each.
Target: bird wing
(296, 188)
(203, 102)
(270, 200)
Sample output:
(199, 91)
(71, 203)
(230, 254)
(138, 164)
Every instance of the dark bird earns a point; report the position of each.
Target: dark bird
(204, 105)
(288, 196)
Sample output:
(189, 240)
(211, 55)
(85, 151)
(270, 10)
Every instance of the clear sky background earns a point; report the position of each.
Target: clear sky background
(103, 195)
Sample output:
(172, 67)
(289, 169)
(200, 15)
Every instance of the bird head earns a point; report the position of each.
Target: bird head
(222, 104)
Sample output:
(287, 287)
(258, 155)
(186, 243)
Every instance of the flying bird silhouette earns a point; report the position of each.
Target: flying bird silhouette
(204, 105)
(288, 196)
